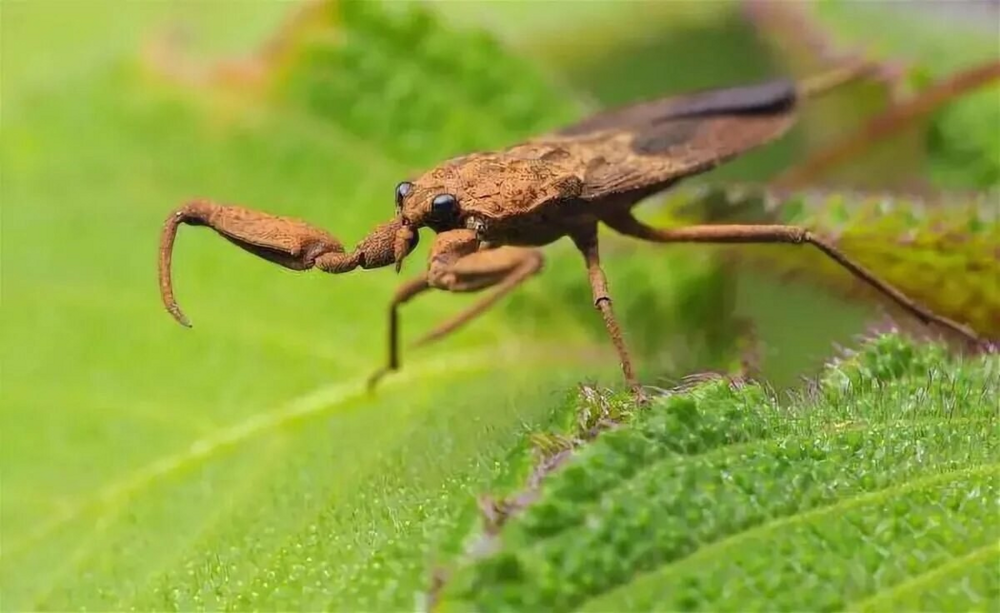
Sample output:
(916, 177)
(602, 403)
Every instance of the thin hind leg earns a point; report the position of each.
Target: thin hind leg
(794, 235)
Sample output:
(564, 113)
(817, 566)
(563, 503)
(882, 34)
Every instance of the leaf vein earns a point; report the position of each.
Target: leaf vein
(881, 601)
(716, 548)
(303, 407)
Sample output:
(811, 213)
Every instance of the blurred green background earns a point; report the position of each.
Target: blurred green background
(240, 464)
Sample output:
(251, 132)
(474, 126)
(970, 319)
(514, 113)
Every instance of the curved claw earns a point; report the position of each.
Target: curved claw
(166, 257)
(291, 243)
(288, 242)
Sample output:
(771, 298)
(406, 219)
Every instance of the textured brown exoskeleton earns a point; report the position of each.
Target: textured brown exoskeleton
(492, 210)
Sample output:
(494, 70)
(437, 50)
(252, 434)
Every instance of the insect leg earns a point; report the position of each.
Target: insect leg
(795, 235)
(403, 295)
(288, 242)
(587, 243)
(503, 268)
(455, 269)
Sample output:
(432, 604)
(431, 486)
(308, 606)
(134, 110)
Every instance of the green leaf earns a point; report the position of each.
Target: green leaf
(874, 490)
(241, 464)
(957, 147)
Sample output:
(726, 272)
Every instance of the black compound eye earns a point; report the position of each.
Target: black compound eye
(402, 191)
(444, 206)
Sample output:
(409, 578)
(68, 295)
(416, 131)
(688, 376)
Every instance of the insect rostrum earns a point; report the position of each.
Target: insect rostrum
(492, 210)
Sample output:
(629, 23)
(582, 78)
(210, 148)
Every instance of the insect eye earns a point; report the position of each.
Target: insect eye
(444, 206)
(402, 191)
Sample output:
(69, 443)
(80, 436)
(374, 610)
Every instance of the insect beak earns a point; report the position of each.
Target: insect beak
(406, 240)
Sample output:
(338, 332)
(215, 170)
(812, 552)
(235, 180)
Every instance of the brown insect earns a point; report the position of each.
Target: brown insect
(492, 210)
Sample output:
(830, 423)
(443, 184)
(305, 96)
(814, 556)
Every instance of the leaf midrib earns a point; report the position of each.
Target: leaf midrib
(311, 404)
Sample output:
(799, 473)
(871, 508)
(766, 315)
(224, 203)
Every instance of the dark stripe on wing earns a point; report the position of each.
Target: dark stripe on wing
(759, 99)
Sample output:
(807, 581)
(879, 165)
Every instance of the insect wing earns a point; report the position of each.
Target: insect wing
(761, 99)
(654, 143)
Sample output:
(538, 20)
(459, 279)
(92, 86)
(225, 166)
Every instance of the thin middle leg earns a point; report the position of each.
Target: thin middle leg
(407, 291)
(586, 242)
(503, 268)
(456, 267)
(630, 226)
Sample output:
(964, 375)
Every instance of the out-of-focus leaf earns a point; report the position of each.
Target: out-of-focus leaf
(875, 490)
(800, 46)
(962, 141)
(944, 254)
(884, 128)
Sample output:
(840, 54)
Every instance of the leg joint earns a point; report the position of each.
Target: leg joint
(334, 262)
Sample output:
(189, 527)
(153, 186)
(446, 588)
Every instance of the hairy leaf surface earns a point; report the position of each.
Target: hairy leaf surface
(876, 489)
